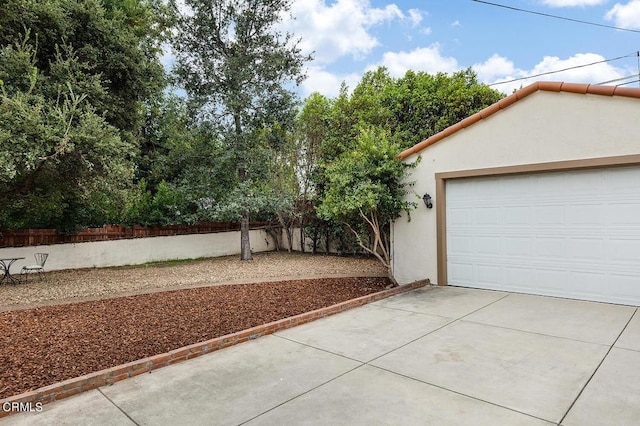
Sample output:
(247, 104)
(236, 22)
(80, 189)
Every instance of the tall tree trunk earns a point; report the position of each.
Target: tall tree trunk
(245, 244)
(327, 239)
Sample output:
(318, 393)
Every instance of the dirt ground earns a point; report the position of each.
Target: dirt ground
(97, 283)
(45, 339)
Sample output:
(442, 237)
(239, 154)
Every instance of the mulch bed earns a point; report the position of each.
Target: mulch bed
(49, 344)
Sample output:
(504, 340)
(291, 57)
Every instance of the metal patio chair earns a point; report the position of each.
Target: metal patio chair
(38, 267)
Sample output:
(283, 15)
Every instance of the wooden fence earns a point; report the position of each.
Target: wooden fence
(36, 237)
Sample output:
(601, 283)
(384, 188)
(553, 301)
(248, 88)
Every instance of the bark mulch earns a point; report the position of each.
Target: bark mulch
(48, 344)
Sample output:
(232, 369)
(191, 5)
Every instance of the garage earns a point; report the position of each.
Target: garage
(538, 193)
(569, 234)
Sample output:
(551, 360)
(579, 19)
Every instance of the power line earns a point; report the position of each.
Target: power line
(628, 82)
(615, 80)
(556, 16)
(564, 69)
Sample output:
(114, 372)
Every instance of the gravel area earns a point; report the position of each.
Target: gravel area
(92, 284)
(76, 322)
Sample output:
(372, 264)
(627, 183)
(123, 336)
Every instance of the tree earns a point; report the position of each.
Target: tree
(116, 42)
(75, 75)
(365, 191)
(406, 110)
(427, 104)
(184, 168)
(233, 60)
(61, 164)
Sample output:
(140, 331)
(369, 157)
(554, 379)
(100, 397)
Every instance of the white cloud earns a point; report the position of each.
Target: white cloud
(456, 24)
(324, 82)
(625, 15)
(427, 59)
(498, 68)
(415, 16)
(572, 3)
(341, 29)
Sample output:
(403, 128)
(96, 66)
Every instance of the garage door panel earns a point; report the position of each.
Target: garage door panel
(570, 234)
(549, 247)
(588, 249)
(552, 282)
(548, 215)
(460, 216)
(622, 181)
(517, 246)
(624, 250)
(546, 187)
(462, 273)
(461, 245)
(517, 279)
(584, 214)
(487, 215)
(517, 215)
(624, 214)
(518, 185)
(588, 285)
(588, 182)
(487, 245)
(488, 274)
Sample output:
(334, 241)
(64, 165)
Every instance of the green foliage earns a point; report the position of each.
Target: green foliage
(116, 45)
(402, 111)
(426, 104)
(418, 105)
(74, 75)
(232, 60)
(366, 179)
(58, 157)
(365, 190)
(88, 136)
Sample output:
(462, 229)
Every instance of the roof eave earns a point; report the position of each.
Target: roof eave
(546, 86)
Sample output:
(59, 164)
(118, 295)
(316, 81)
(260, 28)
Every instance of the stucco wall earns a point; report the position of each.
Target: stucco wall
(138, 250)
(543, 127)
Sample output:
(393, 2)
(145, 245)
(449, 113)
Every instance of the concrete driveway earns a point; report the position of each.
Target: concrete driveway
(431, 356)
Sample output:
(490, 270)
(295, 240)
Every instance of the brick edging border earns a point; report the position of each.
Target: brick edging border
(60, 390)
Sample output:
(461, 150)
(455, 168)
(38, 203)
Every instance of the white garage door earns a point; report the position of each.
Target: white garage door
(570, 234)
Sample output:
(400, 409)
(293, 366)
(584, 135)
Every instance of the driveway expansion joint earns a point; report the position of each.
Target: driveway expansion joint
(118, 407)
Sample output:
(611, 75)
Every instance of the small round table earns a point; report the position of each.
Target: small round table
(5, 265)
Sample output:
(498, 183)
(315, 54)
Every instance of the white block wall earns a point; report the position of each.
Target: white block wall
(137, 250)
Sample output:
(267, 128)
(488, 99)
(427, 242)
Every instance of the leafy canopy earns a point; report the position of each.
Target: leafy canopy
(61, 164)
(366, 190)
(239, 68)
(74, 78)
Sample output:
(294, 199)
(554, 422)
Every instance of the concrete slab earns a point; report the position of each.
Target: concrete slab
(365, 333)
(229, 386)
(526, 372)
(612, 397)
(630, 338)
(451, 302)
(368, 396)
(89, 408)
(573, 319)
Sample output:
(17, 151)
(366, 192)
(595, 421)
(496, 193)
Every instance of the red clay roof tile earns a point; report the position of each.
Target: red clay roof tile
(546, 86)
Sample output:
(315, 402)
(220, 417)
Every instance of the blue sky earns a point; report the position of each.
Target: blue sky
(350, 37)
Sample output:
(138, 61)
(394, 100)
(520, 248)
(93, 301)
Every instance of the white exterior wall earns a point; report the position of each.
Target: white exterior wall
(543, 127)
(137, 250)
